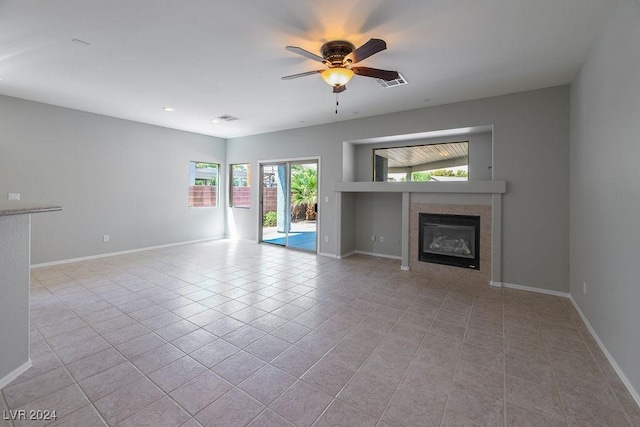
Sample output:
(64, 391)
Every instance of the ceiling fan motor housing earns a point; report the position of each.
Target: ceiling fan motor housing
(335, 51)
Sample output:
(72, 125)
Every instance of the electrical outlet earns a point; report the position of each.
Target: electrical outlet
(14, 196)
(373, 238)
(326, 238)
(326, 199)
(381, 239)
(105, 238)
(584, 287)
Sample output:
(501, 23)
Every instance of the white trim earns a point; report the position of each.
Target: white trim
(495, 284)
(608, 355)
(347, 255)
(405, 268)
(15, 374)
(129, 251)
(537, 290)
(378, 255)
(328, 255)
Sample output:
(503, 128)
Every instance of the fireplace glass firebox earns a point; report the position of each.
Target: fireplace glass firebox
(450, 240)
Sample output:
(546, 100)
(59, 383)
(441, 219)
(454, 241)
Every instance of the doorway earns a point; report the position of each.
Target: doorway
(288, 204)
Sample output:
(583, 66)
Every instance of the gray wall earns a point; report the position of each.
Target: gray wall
(125, 179)
(605, 188)
(129, 180)
(378, 214)
(530, 151)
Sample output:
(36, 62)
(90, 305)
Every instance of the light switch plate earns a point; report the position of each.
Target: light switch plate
(14, 196)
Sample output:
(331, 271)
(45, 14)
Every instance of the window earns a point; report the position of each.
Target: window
(203, 184)
(429, 162)
(240, 196)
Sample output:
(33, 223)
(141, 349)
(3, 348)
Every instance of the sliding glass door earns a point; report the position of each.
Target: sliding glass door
(275, 218)
(288, 201)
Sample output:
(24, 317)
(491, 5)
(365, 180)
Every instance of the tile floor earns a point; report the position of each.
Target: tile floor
(230, 333)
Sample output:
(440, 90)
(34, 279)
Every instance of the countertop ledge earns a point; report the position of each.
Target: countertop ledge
(23, 208)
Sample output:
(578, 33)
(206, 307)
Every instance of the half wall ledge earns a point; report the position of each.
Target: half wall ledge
(469, 187)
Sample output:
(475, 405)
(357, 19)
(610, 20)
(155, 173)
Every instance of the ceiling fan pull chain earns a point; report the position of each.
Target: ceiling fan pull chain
(337, 103)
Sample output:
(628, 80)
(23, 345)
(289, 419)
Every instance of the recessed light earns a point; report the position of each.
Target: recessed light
(169, 109)
(215, 121)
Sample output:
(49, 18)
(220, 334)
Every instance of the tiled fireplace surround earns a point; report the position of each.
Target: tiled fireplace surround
(445, 272)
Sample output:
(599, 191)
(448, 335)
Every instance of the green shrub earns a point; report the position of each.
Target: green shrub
(270, 219)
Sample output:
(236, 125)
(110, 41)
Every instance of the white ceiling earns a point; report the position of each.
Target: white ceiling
(208, 58)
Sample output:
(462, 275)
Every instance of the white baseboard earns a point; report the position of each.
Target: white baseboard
(328, 255)
(531, 289)
(347, 255)
(495, 284)
(14, 374)
(130, 251)
(405, 268)
(377, 255)
(608, 355)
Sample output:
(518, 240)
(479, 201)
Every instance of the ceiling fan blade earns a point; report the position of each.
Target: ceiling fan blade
(305, 53)
(371, 47)
(295, 76)
(375, 73)
(339, 89)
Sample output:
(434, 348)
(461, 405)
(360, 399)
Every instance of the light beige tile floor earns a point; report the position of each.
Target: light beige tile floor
(230, 333)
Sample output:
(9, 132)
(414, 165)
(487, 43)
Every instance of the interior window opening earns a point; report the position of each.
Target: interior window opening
(421, 163)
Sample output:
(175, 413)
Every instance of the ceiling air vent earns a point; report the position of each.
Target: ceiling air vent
(400, 81)
(227, 118)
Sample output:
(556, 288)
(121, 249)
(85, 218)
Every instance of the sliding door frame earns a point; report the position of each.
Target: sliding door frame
(289, 162)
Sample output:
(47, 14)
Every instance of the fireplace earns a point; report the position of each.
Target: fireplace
(449, 239)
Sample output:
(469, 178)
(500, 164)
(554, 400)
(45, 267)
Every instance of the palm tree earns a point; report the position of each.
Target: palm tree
(304, 190)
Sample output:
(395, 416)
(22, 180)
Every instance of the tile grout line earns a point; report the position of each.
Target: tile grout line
(379, 419)
(504, 364)
(404, 374)
(126, 359)
(455, 369)
(553, 371)
(242, 349)
(6, 405)
(325, 354)
(127, 266)
(63, 365)
(328, 351)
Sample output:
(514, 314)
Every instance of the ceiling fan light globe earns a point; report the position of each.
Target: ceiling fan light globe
(337, 76)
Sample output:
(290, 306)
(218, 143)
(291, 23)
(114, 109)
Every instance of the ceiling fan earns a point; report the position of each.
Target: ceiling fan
(339, 56)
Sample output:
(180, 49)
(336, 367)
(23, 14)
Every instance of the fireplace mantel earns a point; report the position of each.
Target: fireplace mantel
(468, 187)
